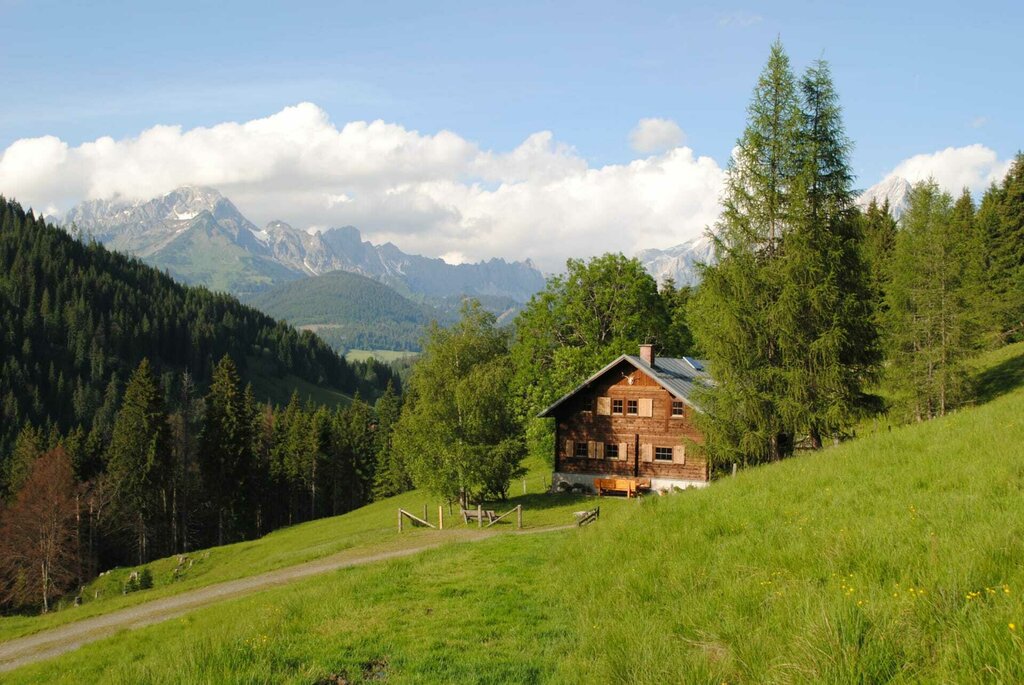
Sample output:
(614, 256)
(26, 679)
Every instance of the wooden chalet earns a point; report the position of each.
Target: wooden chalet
(630, 426)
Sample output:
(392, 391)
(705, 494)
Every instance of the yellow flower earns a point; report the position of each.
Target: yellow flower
(1013, 626)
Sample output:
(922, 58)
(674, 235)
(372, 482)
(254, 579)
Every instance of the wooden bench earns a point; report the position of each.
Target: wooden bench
(478, 515)
(627, 485)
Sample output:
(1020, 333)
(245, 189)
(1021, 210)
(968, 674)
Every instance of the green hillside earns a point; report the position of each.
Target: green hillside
(891, 558)
(349, 311)
(206, 255)
(76, 319)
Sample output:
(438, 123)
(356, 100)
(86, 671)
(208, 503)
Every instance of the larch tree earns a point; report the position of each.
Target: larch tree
(731, 315)
(38, 534)
(823, 318)
(927, 329)
(785, 316)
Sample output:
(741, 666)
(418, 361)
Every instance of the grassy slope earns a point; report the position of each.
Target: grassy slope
(380, 355)
(268, 386)
(364, 531)
(894, 558)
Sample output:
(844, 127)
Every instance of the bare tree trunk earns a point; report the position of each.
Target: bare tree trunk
(46, 592)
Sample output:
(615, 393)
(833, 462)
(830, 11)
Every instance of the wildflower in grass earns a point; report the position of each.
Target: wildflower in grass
(1013, 626)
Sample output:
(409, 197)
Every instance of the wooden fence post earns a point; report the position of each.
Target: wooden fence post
(425, 513)
(734, 467)
(399, 520)
(479, 516)
(519, 516)
(440, 517)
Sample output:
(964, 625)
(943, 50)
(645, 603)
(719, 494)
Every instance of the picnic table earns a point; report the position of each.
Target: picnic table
(478, 515)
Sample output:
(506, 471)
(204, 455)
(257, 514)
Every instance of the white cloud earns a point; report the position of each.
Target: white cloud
(972, 166)
(434, 194)
(979, 122)
(656, 135)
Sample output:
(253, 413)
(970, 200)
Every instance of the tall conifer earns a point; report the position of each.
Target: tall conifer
(928, 331)
(226, 452)
(823, 319)
(139, 460)
(731, 314)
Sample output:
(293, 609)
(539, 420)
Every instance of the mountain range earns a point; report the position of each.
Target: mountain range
(199, 236)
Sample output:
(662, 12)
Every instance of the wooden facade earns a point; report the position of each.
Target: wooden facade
(625, 423)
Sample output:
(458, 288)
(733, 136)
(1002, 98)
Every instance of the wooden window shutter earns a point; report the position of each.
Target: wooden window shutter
(679, 454)
(646, 453)
(570, 448)
(623, 447)
(600, 450)
(591, 449)
(646, 407)
(604, 406)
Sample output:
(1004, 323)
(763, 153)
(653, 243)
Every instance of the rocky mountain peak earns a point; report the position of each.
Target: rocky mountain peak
(679, 262)
(894, 189)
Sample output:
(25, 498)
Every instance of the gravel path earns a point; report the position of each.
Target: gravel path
(56, 641)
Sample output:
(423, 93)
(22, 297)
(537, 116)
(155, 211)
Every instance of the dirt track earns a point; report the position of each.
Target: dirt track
(56, 641)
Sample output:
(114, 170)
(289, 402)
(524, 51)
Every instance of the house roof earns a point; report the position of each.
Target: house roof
(680, 376)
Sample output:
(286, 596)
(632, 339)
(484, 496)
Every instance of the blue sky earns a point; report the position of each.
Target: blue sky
(914, 78)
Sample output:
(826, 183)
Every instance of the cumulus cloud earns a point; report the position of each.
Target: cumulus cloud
(435, 194)
(972, 166)
(656, 135)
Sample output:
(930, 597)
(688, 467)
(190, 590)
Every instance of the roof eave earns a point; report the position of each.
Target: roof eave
(637, 363)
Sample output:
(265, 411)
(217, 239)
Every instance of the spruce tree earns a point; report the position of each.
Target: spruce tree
(391, 476)
(1006, 257)
(879, 230)
(139, 460)
(226, 446)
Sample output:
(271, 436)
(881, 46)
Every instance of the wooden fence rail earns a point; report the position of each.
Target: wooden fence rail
(586, 517)
(519, 516)
(416, 520)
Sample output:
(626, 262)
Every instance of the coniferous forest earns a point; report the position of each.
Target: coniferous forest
(127, 425)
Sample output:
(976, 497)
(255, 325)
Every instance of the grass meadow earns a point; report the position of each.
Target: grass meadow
(897, 557)
(365, 531)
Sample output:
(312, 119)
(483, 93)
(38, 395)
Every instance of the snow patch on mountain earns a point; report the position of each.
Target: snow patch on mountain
(680, 262)
(278, 252)
(893, 189)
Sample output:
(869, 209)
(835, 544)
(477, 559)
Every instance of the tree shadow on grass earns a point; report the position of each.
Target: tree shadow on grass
(1000, 379)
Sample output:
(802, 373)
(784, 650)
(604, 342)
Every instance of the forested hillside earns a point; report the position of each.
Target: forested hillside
(349, 311)
(131, 425)
(77, 319)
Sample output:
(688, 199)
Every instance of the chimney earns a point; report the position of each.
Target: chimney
(647, 353)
